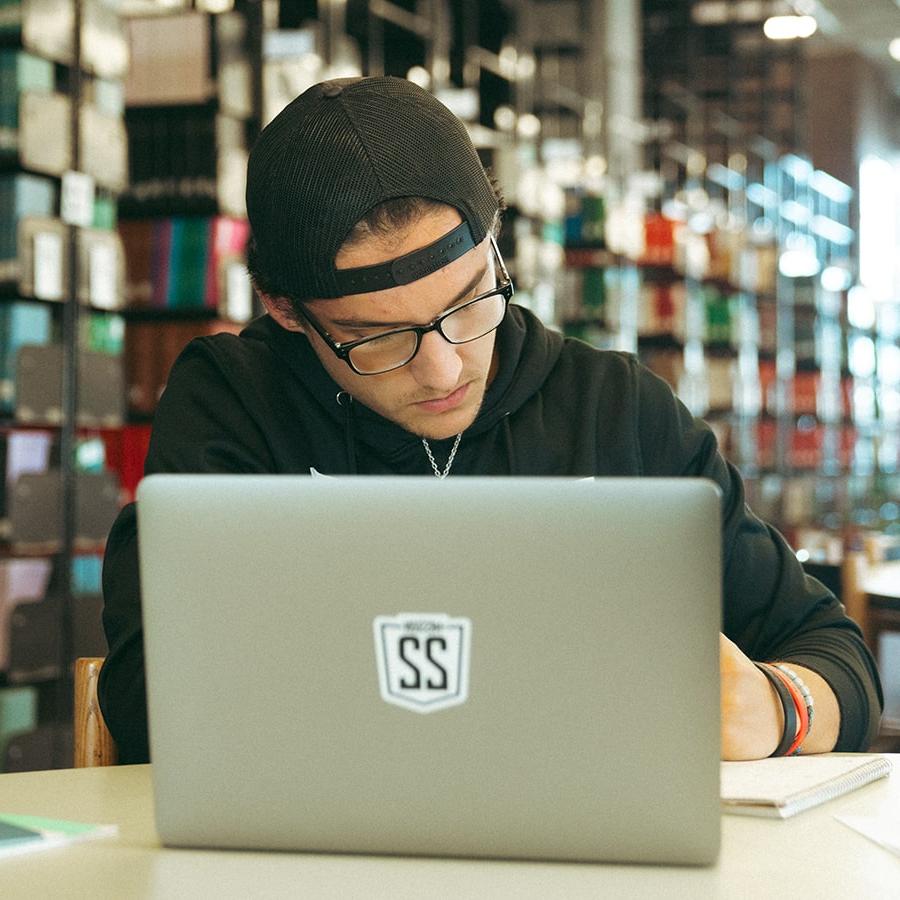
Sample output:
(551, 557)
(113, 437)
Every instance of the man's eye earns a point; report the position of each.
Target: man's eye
(349, 333)
(399, 337)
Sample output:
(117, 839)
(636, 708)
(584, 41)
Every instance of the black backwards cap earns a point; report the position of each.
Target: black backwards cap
(341, 148)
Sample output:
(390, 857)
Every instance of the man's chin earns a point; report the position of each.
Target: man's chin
(440, 428)
(439, 431)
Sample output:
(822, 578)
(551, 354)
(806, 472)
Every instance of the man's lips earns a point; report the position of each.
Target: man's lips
(442, 404)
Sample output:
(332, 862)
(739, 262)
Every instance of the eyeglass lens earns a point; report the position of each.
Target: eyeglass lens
(468, 323)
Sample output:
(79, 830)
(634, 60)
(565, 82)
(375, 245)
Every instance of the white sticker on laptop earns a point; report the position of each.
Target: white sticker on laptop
(423, 660)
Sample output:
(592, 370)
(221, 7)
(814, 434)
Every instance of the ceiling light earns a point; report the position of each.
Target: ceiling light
(711, 12)
(798, 260)
(835, 279)
(860, 309)
(879, 190)
(420, 76)
(894, 48)
(508, 58)
(789, 28)
(525, 66)
(505, 118)
(440, 70)
(529, 126)
(215, 6)
(797, 264)
(595, 166)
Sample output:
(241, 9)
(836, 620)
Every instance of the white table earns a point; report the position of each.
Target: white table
(809, 857)
(882, 579)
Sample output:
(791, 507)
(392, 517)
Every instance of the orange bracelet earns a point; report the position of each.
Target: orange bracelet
(799, 706)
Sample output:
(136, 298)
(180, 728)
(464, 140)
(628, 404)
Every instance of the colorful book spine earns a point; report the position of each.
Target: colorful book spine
(160, 272)
(125, 452)
(20, 324)
(174, 285)
(103, 332)
(138, 240)
(105, 213)
(18, 711)
(228, 238)
(19, 71)
(195, 250)
(21, 581)
(22, 195)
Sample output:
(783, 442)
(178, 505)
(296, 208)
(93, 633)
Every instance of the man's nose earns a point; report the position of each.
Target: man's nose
(437, 365)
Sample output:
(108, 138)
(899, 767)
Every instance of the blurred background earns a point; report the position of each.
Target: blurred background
(713, 185)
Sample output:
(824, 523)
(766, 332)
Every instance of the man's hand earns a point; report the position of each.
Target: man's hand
(752, 718)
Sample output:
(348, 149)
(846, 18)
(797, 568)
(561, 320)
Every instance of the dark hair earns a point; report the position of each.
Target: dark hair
(380, 222)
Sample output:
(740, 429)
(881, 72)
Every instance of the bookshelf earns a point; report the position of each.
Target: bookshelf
(674, 256)
(62, 164)
(72, 434)
(759, 328)
(191, 113)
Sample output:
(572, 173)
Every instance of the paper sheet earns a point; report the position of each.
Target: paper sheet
(23, 834)
(884, 829)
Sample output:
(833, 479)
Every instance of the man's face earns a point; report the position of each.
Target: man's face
(437, 394)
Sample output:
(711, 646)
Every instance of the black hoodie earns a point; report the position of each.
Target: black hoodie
(262, 403)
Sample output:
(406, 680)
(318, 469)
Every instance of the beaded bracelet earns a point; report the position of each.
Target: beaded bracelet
(801, 686)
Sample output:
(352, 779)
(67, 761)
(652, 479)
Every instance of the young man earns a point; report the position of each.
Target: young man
(390, 347)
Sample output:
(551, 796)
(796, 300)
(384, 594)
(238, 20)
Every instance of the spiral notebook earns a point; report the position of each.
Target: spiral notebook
(784, 786)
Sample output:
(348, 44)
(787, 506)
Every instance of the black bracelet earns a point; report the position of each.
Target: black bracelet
(787, 704)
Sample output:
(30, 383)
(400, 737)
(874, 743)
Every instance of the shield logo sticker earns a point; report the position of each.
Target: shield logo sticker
(423, 660)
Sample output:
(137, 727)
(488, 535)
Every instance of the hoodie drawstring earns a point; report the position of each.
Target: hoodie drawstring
(510, 449)
(345, 401)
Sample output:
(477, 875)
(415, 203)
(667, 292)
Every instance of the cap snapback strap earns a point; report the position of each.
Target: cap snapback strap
(408, 268)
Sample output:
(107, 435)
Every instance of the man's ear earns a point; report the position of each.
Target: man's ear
(281, 311)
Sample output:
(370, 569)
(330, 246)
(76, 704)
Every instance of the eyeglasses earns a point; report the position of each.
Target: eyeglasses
(390, 350)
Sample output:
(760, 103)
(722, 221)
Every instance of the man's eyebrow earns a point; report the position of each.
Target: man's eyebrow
(363, 323)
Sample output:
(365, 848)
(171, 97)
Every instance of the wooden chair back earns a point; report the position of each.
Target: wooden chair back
(873, 617)
(853, 596)
(875, 613)
(94, 745)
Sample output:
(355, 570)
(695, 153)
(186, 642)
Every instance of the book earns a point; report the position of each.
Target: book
(22, 834)
(21, 581)
(174, 295)
(138, 240)
(18, 708)
(161, 264)
(20, 324)
(784, 786)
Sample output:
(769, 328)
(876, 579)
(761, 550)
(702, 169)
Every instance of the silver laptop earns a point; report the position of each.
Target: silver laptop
(485, 667)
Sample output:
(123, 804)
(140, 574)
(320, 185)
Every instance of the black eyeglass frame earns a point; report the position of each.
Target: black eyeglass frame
(343, 349)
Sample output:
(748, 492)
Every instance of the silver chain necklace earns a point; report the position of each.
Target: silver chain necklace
(434, 466)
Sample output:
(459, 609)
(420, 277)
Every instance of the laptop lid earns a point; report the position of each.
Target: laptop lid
(519, 668)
